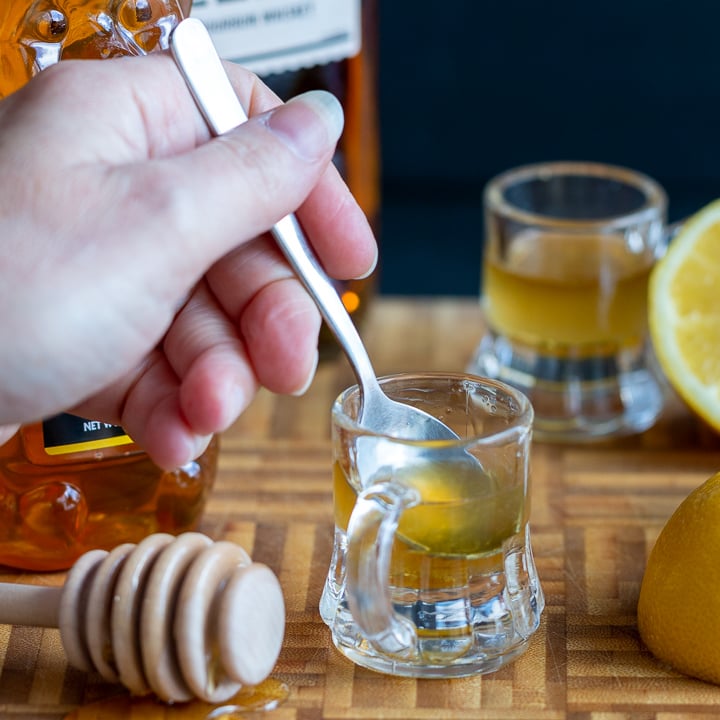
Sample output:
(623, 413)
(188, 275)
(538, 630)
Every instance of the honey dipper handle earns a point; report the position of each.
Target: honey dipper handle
(29, 605)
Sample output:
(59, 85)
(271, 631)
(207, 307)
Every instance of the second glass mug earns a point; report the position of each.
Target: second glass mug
(569, 247)
(432, 573)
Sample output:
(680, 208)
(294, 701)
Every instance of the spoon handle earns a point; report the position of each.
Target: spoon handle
(290, 237)
(198, 61)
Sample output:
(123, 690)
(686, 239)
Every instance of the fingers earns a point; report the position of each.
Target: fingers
(146, 402)
(192, 387)
(332, 219)
(220, 368)
(280, 327)
(152, 416)
(338, 229)
(237, 186)
(278, 321)
(204, 350)
(206, 372)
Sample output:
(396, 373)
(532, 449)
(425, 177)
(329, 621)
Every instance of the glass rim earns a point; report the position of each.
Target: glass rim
(520, 424)
(654, 206)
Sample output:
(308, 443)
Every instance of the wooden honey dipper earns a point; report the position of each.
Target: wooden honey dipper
(181, 616)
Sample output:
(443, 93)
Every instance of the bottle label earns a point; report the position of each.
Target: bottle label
(271, 36)
(65, 434)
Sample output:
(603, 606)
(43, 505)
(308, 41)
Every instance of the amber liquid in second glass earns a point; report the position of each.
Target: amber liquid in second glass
(554, 293)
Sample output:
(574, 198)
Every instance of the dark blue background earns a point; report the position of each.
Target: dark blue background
(469, 88)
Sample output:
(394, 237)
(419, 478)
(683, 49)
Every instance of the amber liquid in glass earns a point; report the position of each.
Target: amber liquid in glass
(456, 530)
(559, 294)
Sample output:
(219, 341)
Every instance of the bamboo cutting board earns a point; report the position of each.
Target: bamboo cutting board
(596, 512)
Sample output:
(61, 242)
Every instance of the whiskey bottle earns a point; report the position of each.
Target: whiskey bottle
(315, 44)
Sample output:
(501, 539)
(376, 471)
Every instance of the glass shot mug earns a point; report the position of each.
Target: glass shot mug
(569, 247)
(432, 572)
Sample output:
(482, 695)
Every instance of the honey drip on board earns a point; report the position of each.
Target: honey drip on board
(248, 703)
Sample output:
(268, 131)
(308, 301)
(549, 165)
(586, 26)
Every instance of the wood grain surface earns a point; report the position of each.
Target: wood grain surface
(596, 513)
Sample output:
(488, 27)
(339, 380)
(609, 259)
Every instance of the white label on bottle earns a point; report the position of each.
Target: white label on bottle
(270, 36)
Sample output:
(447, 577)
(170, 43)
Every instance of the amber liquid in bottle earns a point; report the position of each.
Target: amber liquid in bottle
(57, 502)
(70, 485)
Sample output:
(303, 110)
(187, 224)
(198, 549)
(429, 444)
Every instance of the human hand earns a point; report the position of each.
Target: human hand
(138, 284)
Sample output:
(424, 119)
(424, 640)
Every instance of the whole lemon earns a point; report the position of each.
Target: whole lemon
(679, 605)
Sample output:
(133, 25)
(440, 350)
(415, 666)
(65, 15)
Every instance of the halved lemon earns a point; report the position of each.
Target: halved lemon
(684, 313)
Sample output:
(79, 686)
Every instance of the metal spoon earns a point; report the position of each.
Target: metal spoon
(198, 61)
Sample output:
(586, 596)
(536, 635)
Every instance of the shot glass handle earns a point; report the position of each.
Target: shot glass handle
(371, 532)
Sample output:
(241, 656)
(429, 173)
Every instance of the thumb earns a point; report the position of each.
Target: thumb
(237, 186)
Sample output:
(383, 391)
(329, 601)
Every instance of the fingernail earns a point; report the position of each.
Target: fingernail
(310, 378)
(308, 124)
(372, 269)
(196, 447)
(237, 403)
